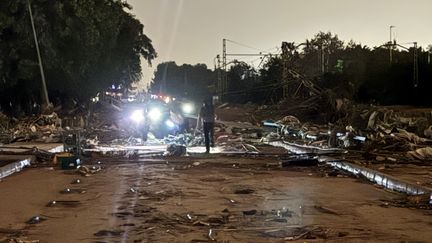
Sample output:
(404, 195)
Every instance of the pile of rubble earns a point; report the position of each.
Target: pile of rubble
(377, 130)
(43, 128)
(4, 128)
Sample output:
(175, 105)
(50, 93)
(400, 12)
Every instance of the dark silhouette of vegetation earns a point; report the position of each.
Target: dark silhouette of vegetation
(351, 71)
(86, 46)
(193, 82)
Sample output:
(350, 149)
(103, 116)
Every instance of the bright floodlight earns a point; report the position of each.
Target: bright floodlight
(188, 108)
(155, 114)
(170, 124)
(137, 116)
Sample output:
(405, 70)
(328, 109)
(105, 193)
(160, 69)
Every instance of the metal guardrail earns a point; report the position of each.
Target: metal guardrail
(377, 177)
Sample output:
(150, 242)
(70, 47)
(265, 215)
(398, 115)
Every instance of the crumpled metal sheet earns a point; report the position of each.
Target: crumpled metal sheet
(381, 179)
(13, 167)
(303, 149)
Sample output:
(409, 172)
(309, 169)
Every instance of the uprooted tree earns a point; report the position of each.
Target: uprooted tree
(86, 46)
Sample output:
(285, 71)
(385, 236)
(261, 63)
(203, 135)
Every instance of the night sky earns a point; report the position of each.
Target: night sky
(191, 31)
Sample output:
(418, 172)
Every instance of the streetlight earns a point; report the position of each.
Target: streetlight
(391, 44)
(44, 88)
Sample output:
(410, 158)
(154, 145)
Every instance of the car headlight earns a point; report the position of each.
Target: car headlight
(170, 124)
(137, 116)
(187, 108)
(155, 114)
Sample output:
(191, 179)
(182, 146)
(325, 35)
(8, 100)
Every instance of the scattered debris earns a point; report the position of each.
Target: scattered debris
(210, 235)
(44, 128)
(22, 241)
(76, 181)
(66, 203)
(200, 223)
(300, 161)
(244, 191)
(175, 150)
(421, 153)
(35, 220)
(109, 233)
(325, 210)
(87, 171)
(69, 191)
(250, 212)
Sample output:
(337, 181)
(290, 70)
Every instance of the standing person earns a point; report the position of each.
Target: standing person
(207, 115)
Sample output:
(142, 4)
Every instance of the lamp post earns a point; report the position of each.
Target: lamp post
(44, 88)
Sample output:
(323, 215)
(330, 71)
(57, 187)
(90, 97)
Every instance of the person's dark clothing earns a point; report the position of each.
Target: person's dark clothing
(208, 117)
(207, 113)
(208, 135)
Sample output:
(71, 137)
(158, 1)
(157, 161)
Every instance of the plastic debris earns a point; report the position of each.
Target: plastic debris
(210, 235)
(201, 223)
(35, 220)
(51, 204)
(76, 181)
(133, 190)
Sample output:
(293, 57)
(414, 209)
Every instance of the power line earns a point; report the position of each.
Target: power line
(223, 79)
(244, 45)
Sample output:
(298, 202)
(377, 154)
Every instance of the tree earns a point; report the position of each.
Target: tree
(189, 81)
(321, 52)
(271, 76)
(85, 45)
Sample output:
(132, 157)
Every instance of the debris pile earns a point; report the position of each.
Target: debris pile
(372, 129)
(43, 128)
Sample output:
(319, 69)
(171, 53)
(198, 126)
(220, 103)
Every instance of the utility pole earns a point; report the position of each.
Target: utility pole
(415, 68)
(415, 61)
(285, 61)
(224, 82)
(224, 71)
(391, 44)
(44, 88)
(219, 76)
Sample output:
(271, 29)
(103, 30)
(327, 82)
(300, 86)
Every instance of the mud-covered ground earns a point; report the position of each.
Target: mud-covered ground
(201, 199)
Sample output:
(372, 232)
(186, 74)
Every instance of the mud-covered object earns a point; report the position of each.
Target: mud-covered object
(421, 153)
(35, 220)
(175, 150)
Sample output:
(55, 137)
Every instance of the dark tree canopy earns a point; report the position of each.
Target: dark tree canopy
(358, 72)
(195, 82)
(85, 46)
(344, 69)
